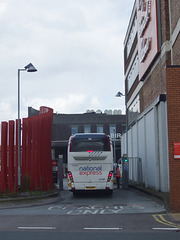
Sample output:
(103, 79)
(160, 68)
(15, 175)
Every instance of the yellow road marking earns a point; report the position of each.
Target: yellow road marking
(160, 218)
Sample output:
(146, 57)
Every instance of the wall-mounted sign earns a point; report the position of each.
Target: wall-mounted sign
(177, 150)
(148, 45)
(116, 135)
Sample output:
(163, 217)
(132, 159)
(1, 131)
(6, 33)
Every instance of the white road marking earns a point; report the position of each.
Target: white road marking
(88, 209)
(37, 228)
(167, 229)
(102, 228)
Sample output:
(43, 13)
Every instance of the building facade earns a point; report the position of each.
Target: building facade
(112, 123)
(152, 83)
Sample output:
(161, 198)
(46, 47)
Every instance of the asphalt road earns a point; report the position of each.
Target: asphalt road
(127, 214)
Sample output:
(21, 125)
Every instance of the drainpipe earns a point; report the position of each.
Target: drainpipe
(170, 29)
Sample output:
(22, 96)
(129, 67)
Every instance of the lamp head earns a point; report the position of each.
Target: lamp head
(120, 94)
(30, 68)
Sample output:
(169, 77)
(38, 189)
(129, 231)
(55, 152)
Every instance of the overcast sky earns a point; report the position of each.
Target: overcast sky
(77, 47)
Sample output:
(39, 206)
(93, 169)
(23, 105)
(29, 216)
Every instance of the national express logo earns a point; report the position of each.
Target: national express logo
(90, 170)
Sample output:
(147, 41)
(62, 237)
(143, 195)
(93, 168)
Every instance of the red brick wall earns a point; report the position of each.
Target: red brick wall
(176, 52)
(175, 11)
(173, 116)
(165, 20)
(155, 84)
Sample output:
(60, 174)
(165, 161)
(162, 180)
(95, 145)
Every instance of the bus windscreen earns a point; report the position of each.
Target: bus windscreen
(90, 143)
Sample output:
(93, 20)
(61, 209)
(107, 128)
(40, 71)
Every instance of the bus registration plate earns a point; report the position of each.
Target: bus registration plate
(90, 188)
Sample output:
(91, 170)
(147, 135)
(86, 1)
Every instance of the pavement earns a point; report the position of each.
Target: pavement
(175, 217)
(162, 196)
(26, 200)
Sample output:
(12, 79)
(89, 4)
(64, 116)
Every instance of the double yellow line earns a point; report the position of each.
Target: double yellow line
(161, 219)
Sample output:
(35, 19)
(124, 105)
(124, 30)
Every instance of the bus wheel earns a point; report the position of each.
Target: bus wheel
(110, 192)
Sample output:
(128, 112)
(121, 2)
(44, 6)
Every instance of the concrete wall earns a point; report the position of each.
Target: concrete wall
(147, 139)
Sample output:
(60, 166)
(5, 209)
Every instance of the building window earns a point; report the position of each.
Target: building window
(100, 128)
(133, 73)
(132, 36)
(112, 130)
(74, 129)
(134, 110)
(87, 128)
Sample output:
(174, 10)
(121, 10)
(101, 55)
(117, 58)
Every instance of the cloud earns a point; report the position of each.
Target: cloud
(77, 47)
(7, 110)
(64, 105)
(3, 7)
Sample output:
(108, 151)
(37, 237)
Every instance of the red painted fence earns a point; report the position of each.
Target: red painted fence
(36, 167)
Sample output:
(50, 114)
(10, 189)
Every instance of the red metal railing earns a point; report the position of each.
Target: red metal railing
(36, 159)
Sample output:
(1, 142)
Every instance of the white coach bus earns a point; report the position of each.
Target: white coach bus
(90, 162)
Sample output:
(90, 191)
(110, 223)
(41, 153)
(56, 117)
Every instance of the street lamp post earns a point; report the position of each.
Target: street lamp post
(114, 130)
(125, 162)
(119, 94)
(28, 68)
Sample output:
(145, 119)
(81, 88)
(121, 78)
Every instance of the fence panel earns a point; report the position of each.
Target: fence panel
(135, 170)
(11, 162)
(36, 163)
(3, 176)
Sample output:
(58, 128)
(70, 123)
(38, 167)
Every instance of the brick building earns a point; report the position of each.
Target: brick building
(152, 83)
